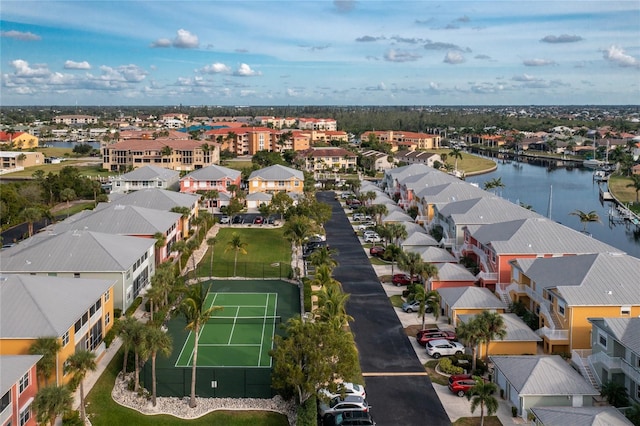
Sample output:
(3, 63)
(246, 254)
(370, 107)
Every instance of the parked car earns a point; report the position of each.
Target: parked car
(224, 219)
(258, 220)
(352, 418)
(338, 405)
(404, 279)
(238, 219)
(376, 251)
(366, 225)
(359, 217)
(372, 238)
(443, 347)
(348, 389)
(424, 336)
(414, 306)
(460, 384)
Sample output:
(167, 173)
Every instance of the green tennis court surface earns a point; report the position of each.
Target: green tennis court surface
(239, 335)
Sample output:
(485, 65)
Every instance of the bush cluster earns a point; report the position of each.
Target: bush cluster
(308, 412)
(447, 367)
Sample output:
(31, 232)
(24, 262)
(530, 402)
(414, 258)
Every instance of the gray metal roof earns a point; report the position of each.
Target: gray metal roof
(213, 172)
(76, 251)
(580, 416)
(413, 227)
(449, 192)
(276, 172)
(433, 254)
(413, 169)
(624, 330)
(537, 235)
(470, 298)
(484, 210)
(122, 219)
(454, 272)
(396, 216)
(38, 306)
(149, 173)
(542, 375)
(259, 196)
(603, 279)
(428, 179)
(157, 199)
(517, 330)
(419, 239)
(13, 367)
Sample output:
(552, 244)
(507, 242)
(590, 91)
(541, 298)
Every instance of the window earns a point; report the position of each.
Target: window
(5, 401)
(625, 310)
(24, 382)
(65, 339)
(107, 319)
(95, 307)
(76, 275)
(602, 339)
(25, 415)
(561, 310)
(107, 296)
(637, 391)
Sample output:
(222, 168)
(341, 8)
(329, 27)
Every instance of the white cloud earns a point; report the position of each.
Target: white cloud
(453, 58)
(394, 55)
(185, 40)
(564, 38)
(23, 69)
(20, 35)
(537, 62)
(215, 68)
(617, 55)
(72, 65)
(161, 42)
(245, 70)
(524, 77)
(344, 6)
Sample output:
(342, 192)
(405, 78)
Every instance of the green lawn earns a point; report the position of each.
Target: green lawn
(55, 168)
(618, 186)
(103, 410)
(268, 254)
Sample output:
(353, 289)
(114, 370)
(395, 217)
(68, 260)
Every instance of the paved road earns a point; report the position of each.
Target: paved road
(398, 388)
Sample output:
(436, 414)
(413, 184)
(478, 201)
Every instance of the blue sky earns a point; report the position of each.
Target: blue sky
(366, 52)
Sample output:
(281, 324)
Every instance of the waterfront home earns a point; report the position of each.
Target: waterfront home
(379, 160)
(126, 262)
(518, 340)
(455, 301)
(615, 353)
(566, 291)
(494, 246)
(146, 177)
(410, 186)
(78, 312)
(433, 194)
(211, 178)
(18, 388)
(594, 416)
(529, 381)
(391, 181)
(276, 178)
(421, 157)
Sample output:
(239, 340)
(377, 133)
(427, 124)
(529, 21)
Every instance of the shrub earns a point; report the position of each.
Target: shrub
(131, 309)
(72, 418)
(514, 411)
(307, 413)
(117, 313)
(108, 338)
(447, 367)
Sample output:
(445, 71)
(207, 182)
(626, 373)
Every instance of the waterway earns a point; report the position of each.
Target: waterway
(569, 188)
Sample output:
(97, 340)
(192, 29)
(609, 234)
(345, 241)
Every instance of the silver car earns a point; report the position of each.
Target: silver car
(337, 405)
(443, 347)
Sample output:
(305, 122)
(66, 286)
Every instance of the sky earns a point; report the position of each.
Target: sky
(305, 52)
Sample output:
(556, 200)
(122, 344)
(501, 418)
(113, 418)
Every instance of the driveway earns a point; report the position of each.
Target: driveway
(398, 387)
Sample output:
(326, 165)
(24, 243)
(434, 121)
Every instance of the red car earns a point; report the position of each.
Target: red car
(404, 279)
(460, 384)
(376, 251)
(423, 336)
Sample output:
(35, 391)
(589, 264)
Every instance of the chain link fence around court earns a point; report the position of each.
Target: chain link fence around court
(254, 270)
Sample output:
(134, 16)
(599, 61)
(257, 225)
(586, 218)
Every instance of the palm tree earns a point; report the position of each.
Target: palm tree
(455, 153)
(67, 195)
(50, 402)
(392, 252)
(212, 195)
(411, 262)
(161, 241)
(31, 215)
(296, 230)
(155, 294)
(180, 247)
(332, 305)
(166, 151)
(138, 341)
(493, 184)
(323, 256)
(379, 210)
(237, 246)
(79, 364)
(48, 347)
(471, 334)
(211, 242)
(192, 246)
(481, 395)
(127, 329)
(615, 393)
(193, 308)
(397, 231)
(585, 218)
(429, 301)
(635, 184)
(156, 341)
(493, 326)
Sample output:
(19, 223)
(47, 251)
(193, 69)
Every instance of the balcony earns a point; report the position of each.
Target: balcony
(630, 371)
(487, 276)
(609, 362)
(553, 334)
(448, 242)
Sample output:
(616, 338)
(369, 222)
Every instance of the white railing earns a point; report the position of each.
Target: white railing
(447, 242)
(630, 371)
(552, 334)
(487, 276)
(611, 362)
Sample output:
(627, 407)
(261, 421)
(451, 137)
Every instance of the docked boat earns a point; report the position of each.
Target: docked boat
(592, 163)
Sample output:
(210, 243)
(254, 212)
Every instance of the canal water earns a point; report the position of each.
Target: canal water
(569, 188)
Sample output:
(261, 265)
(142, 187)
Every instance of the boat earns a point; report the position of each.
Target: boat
(592, 163)
(600, 175)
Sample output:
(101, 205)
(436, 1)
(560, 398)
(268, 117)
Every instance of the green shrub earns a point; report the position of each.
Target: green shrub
(447, 367)
(306, 282)
(117, 313)
(131, 309)
(308, 413)
(72, 418)
(108, 338)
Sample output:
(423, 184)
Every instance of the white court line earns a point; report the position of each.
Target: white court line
(233, 327)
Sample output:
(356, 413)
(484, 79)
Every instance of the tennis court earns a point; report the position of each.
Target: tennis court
(238, 335)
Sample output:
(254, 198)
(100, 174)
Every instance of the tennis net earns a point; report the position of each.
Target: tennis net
(245, 320)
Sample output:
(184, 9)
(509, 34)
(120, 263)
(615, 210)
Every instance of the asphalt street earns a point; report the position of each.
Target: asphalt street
(398, 387)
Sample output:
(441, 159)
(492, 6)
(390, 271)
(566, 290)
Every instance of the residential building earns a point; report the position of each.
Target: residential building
(594, 416)
(455, 301)
(410, 140)
(276, 178)
(615, 353)
(145, 177)
(452, 275)
(211, 178)
(379, 160)
(11, 161)
(18, 140)
(126, 262)
(18, 388)
(529, 381)
(566, 291)
(518, 340)
(167, 153)
(72, 120)
(328, 159)
(41, 306)
(419, 157)
(317, 124)
(429, 192)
